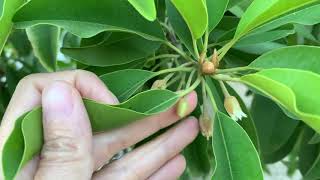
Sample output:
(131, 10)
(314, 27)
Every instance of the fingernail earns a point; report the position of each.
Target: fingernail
(57, 101)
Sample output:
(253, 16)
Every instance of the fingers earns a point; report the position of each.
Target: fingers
(107, 144)
(66, 153)
(144, 161)
(28, 95)
(28, 92)
(172, 170)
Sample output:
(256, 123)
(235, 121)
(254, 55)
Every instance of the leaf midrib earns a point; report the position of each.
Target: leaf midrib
(226, 148)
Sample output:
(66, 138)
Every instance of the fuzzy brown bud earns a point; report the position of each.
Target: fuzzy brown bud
(208, 68)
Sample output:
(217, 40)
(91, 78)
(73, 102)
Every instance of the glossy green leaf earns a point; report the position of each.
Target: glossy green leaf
(296, 90)
(312, 170)
(315, 139)
(45, 43)
(216, 9)
(261, 11)
(294, 57)
(179, 26)
(260, 48)
(195, 15)
(284, 151)
(138, 64)
(233, 3)
(235, 154)
(273, 126)
(246, 123)
(26, 139)
(97, 17)
(200, 159)
(7, 10)
(309, 15)
(308, 152)
(16, 153)
(120, 48)
(146, 8)
(257, 38)
(131, 81)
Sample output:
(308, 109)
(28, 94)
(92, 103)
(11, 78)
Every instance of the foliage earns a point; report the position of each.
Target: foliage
(163, 50)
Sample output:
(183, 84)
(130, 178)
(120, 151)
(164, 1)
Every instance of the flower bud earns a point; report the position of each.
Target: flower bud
(206, 126)
(206, 119)
(233, 108)
(208, 68)
(182, 108)
(159, 84)
(215, 58)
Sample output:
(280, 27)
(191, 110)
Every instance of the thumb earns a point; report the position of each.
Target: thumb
(67, 149)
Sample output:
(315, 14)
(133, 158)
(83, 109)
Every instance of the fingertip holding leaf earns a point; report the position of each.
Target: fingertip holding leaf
(26, 139)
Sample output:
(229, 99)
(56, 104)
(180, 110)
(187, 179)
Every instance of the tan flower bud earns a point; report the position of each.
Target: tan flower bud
(159, 84)
(215, 58)
(233, 108)
(206, 119)
(208, 68)
(206, 126)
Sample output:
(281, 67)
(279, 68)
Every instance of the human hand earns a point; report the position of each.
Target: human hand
(70, 149)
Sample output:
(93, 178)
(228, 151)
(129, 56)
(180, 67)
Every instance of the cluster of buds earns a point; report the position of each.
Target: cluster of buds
(209, 67)
(233, 108)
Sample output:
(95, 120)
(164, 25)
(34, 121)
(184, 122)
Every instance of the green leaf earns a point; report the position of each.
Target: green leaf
(136, 108)
(216, 9)
(45, 41)
(23, 143)
(294, 57)
(120, 48)
(146, 8)
(246, 123)
(131, 81)
(26, 139)
(306, 16)
(195, 15)
(111, 15)
(285, 150)
(273, 126)
(313, 172)
(179, 26)
(262, 37)
(260, 48)
(200, 159)
(235, 154)
(7, 10)
(295, 90)
(315, 139)
(261, 11)
(308, 152)
(138, 64)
